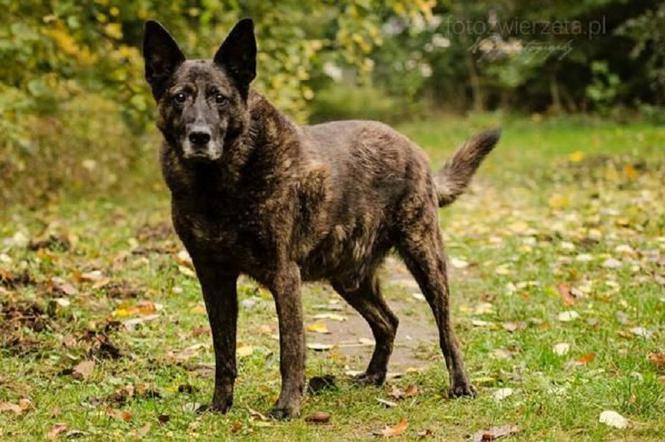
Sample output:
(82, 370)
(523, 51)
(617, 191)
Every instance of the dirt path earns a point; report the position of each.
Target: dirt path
(416, 335)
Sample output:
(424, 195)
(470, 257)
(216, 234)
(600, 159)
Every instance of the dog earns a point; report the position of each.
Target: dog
(254, 193)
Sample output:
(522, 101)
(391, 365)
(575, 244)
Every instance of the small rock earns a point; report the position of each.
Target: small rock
(613, 419)
(502, 393)
(561, 348)
(612, 263)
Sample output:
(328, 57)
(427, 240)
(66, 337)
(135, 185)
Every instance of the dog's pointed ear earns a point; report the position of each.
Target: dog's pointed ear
(237, 55)
(162, 57)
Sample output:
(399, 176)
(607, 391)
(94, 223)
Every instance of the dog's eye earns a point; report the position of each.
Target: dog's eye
(180, 97)
(220, 99)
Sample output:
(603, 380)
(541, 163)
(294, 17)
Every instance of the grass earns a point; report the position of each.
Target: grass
(562, 205)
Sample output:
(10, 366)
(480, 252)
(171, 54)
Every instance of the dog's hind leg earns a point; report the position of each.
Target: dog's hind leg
(422, 250)
(369, 302)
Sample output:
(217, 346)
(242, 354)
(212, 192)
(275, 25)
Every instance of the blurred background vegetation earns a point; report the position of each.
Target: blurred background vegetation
(77, 117)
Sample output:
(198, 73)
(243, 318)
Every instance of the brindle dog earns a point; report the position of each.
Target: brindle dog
(253, 193)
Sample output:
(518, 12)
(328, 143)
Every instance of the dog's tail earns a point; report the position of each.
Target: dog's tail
(454, 177)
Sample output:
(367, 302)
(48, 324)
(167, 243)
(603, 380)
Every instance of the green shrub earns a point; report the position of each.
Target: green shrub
(341, 102)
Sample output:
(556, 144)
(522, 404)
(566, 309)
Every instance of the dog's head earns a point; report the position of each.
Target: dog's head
(202, 103)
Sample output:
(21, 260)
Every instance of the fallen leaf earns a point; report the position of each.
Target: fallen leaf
(186, 271)
(256, 415)
(331, 316)
(584, 257)
(424, 433)
(183, 258)
(514, 326)
(22, 406)
(55, 430)
(83, 370)
(502, 393)
(613, 419)
(411, 390)
(641, 332)
(561, 348)
(94, 276)
(395, 430)
(317, 346)
(566, 296)
(63, 286)
(458, 263)
(586, 358)
(576, 157)
(142, 432)
(389, 404)
(629, 171)
(657, 359)
(494, 433)
(130, 324)
(318, 327)
(568, 316)
(121, 415)
(612, 263)
(419, 296)
(318, 417)
(483, 308)
(244, 351)
(142, 308)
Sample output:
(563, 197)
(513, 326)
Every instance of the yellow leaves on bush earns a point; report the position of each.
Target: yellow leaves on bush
(113, 30)
(69, 46)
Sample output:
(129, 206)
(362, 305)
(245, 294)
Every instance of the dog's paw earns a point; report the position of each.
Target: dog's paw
(283, 413)
(218, 406)
(462, 390)
(370, 379)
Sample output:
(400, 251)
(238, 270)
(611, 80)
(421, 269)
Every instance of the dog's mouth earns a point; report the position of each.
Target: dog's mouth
(210, 152)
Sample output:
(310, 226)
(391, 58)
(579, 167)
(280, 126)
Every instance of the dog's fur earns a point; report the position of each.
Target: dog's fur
(255, 194)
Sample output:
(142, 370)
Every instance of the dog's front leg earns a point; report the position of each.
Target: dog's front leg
(221, 300)
(285, 287)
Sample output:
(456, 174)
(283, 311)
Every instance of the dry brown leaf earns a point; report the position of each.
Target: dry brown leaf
(494, 433)
(396, 429)
(8, 406)
(396, 393)
(55, 430)
(566, 296)
(318, 417)
(60, 285)
(586, 358)
(83, 370)
(121, 415)
(411, 390)
(657, 359)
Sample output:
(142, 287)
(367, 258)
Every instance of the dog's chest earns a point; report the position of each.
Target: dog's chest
(232, 235)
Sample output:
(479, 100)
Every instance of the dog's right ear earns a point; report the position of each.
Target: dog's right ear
(162, 57)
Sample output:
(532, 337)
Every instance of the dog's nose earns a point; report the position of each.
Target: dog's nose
(199, 137)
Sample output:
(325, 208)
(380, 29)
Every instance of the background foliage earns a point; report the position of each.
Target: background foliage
(75, 113)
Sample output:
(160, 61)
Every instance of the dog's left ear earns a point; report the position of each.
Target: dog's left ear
(237, 55)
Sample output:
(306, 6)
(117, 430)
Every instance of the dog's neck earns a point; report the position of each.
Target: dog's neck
(264, 154)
